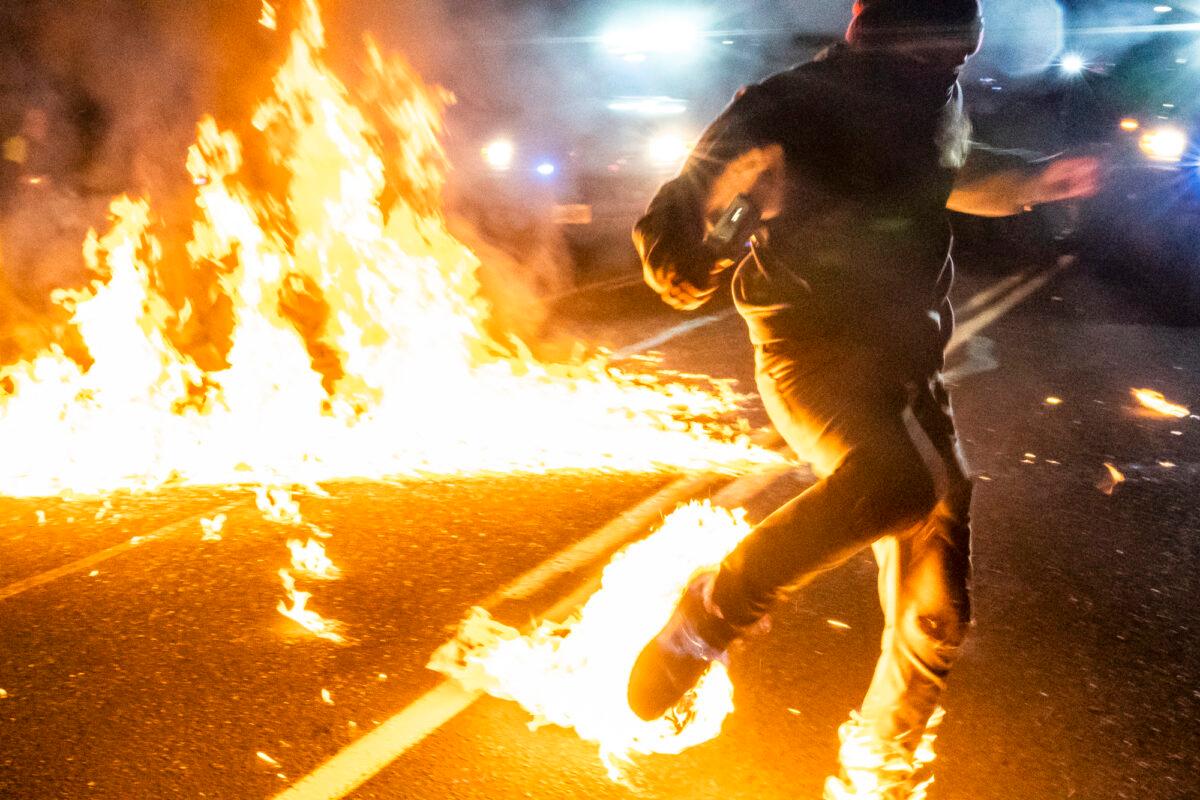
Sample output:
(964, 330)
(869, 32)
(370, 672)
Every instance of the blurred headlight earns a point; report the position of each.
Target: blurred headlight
(1073, 64)
(499, 155)
(1164, 143)
(667, 150)
(679, 32)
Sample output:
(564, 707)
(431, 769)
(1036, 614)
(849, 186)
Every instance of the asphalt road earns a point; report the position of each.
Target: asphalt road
(164, 671)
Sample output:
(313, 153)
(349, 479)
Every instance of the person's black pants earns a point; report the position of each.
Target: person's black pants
(892, 476)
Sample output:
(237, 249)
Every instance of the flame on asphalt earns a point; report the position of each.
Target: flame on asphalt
(1154, 400)
(358, 345)
(574, 674)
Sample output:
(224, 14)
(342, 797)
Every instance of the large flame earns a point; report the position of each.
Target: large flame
(358, 346)
(575, 674)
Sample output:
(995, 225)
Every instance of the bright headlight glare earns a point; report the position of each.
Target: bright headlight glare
(1164, 143)
(667, 150)
(1073, 64)
(674, 32)
(499, 154)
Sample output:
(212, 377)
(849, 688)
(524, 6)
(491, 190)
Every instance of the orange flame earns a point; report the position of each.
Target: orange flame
(575, 674)
(1156, 402)
(396, 375)
(299, 613)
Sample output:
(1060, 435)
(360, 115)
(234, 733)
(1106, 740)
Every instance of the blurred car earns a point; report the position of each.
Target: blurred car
(1146, 221)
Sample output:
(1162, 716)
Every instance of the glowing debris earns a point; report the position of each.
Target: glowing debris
(299, 613)
(269, 18)
(266, 759)
(41, 517)
(834, 623)
(1156, 402)
(326, 697)
(93, 573)
(1112, 479)
(575, 674)
(1167, 464)
(211, 528)
(3, 694)
(102, 512)
(277, 505)
(1053, 401)
(311, 559)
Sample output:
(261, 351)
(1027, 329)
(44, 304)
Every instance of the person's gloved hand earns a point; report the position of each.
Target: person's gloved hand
(685, 279)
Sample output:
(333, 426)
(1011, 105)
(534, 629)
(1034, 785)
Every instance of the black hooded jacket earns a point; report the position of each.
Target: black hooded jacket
(871, 144)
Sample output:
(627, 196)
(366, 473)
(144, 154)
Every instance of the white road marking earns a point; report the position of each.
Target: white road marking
(986, 296)
(356, 764)
(89, 562)
(964, 332)
(674, 332)
(586, 551)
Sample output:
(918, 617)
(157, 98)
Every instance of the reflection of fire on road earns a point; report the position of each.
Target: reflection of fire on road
(357, 343)
(575, 674)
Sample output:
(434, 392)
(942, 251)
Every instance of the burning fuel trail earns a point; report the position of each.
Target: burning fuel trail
(575, 674)
(357, 345)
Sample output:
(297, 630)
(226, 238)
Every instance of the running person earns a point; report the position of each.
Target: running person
(851, 161)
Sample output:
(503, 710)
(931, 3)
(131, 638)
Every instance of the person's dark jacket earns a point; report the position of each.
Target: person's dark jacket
(861, 250)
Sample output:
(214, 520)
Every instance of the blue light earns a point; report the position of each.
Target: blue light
(546, 169)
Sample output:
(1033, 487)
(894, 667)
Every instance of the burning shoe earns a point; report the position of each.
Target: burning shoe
(675, 660)
(874, 769)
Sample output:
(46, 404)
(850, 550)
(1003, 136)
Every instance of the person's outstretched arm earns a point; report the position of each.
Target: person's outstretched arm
(732, 154)
(1010, 190)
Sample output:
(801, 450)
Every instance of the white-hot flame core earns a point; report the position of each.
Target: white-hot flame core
(575, 674)
(1155, 401)
(311, 559)
(299, 612)
(420, 388)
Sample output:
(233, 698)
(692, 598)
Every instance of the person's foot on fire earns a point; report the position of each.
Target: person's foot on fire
(674, 661)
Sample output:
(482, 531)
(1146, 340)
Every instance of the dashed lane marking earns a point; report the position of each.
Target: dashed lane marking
(90, 562)
(674, 332)
(973, 326)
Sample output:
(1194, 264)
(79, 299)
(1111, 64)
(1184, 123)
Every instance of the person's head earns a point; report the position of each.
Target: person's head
(940, 33)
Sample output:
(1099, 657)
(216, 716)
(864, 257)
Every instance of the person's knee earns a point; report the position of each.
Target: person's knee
(936, 637)
(894, 489)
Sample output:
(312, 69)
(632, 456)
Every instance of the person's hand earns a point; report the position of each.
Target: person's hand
(1065, 179)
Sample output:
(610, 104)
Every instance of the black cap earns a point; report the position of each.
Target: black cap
(924, 24)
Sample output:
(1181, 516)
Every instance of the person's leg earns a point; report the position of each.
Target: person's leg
(844, 414)
(838, 409)
(925, 591)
